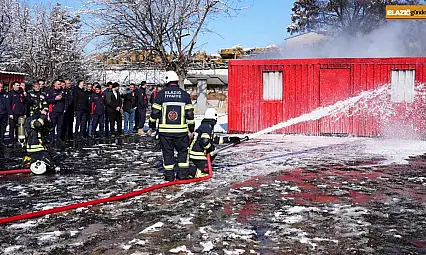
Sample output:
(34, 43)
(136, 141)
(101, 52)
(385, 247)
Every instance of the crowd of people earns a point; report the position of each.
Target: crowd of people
(97, 111)
(42, 113)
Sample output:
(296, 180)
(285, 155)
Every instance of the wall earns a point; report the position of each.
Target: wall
(308, 84)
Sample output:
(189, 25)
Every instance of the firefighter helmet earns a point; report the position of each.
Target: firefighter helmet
(38, 167)
(211, 113)
(171, 76)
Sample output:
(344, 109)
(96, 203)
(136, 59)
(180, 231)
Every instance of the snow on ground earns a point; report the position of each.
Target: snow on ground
(271, 195)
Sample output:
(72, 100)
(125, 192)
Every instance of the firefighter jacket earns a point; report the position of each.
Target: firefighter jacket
(3, 103)
(17, 103)
(35, 100)
(81, 100)
(97, 103)
(58, 106)
(37, 128)
(141, 98)
(174, 110)
(204, 140)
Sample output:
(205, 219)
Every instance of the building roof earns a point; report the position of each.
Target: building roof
(13, 73)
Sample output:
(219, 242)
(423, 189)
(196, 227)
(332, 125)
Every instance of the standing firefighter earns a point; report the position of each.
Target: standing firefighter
(35, 98)
(203, 143)
(175, 112)
(37, 128)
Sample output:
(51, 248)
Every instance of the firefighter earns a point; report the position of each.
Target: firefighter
(203, 143)
(3, 114)
(97, 102)
(35, 97)
(17, 109)
(175, 112)
(58, 105)
(37, 128)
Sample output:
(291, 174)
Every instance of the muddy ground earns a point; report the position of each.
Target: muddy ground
(268, 196)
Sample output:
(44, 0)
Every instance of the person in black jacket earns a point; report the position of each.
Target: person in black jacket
(141, 104)
(3, 113)
(58, 105)
(17, 108)
(68, 124)
(113, 104)
(97, 102)
(82, 110)
(129, 107)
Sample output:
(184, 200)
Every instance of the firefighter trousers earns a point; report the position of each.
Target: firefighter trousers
(169, 143)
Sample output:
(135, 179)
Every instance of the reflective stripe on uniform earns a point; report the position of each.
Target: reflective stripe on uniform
(35, 148)
(205, 135)
(208, 146)
(168, 167)
(197, 155)
(172, 126)
(156, 106)
(221, 140)
(183, 165)
(190, 121)
(171, 130)
(189, 107)
(152, 119)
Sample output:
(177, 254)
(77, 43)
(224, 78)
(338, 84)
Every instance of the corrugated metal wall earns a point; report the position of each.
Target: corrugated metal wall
(8, 78)
(308, 84)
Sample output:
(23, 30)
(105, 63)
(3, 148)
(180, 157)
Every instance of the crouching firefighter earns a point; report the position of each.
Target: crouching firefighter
(203, 143)
(37, 128)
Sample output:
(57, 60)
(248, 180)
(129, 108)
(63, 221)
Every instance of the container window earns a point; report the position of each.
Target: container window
(272, 85)
(402, 86)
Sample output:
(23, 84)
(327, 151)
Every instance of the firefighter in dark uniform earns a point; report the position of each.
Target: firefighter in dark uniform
(17, 109)
(203, 143)
(37, 128)
(175, 112)
(35, 98)
(58, 105)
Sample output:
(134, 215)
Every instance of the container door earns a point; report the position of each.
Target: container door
(334, 87)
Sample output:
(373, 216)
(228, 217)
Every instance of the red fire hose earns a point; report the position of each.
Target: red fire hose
(105, 200)
(15, 171)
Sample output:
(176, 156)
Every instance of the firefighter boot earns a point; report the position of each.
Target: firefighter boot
(182, 174)
(169, 175)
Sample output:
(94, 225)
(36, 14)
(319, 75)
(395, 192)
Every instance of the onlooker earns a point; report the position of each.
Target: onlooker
(58, 105)
(89, 91)
(141, 104)
(129, 107)
(82, 111)
(105, 92)
(3, 114)
(97, 102)
(17, 108)
(43, 88)
(113, 103)
(69, 114)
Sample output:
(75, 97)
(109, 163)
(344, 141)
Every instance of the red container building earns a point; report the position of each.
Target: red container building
(263, 93)
(8, 77)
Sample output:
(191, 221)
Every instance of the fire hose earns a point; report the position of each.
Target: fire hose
(118, 197)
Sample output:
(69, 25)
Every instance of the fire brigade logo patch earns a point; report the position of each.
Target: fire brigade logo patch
(172, 115)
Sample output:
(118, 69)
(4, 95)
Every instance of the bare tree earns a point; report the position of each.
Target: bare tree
(167, 28)
(340, 16)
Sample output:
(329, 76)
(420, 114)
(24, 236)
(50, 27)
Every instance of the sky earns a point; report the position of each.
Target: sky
(260, 25)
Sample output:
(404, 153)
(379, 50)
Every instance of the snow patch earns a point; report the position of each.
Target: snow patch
(180, 249)
(207, 246)
(11, 249)
(152, 228)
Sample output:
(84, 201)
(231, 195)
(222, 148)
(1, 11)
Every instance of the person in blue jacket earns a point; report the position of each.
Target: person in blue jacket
(97, 105)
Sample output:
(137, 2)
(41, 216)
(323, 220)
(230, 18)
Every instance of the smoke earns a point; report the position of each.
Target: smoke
(393, 39)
